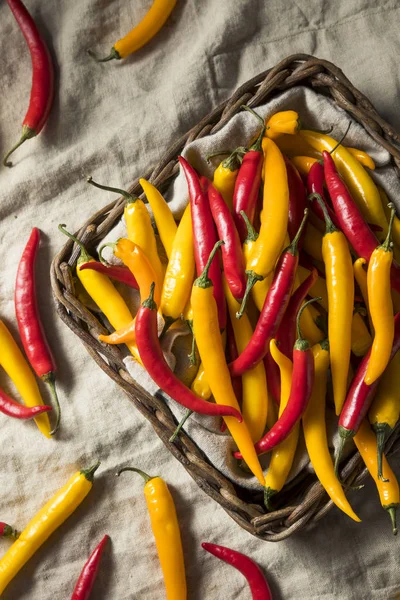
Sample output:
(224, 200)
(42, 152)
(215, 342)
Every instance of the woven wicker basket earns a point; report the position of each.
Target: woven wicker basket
(303, 501)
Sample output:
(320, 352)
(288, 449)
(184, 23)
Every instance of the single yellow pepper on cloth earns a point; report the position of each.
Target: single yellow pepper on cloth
(15, 365)
(314, 427)
(44, 523)
(211, 350)
(381, 307)
(167, 535)
(340, 286)
(142, 33)
(282, 455)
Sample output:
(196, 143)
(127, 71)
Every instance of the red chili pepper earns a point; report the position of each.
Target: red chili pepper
(273, 310)
(360, 396)
(247, 183)
(297, 200)
(351, 220)
(155, 364)
(204, 236)
(315, 185)
(273, 377)
(9, 407)
(42, 89)
(232, 255)
(8, 531)
(300, 393)
(116, 272)
(30, 327)
(258, 584)
(86, 580)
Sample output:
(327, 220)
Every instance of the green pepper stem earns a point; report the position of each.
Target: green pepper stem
(114, 54)
(392, 513)
(128, 197)
(387, 244)
(252, 234)
(381, 430)
(344, 435)
(180, 425)
(27, 133)
(149, 302)
(293, 246)
(341, 139)
(107, 245)
(329, 226)
(50, 379)
(203, 280)
(146, 477)
(234, 161)
(252, 278)
(10, 532)
(324, 344)
(268, 493)
(192, 355)
(84, 253)
(89, 473)
(257, 146)
(298, 328)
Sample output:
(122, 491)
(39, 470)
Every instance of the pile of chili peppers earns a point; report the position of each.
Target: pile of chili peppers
(283, 268)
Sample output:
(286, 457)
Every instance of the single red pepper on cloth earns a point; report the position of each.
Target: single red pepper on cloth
(204, 235)
(273, 310)
(42, 90)
(116, 272)
(350, 219)
(300, 393)
(259, 587)
(86, 580)
(155, 364)
(9, 407)
(232, 255)
(29, 324)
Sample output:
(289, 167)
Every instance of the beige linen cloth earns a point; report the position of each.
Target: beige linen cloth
(112, 121)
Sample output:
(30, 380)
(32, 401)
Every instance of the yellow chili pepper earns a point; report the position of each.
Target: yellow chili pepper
(224, 178)
(103, 293)
(381, 308)
(340, 286)
(309, 314)
(267, 247)
(44, 523)
(361, 339)
(318, 290)
(200, 385)
(211, 350)
(385, 409)
(359, 182)
(388, 487)
(303, 163)
(142, 33)
(360, 275)
(312, 242)
(167, 535)
(286, 121)
(16, 367)
(396, 223)
(362, 157)
(162, 215)
(179, 276)
(138, 225)
(254, 383)
(260, 289)
(282, 456)
(314, 428)
(295, 145)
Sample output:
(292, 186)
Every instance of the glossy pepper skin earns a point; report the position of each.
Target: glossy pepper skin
(314, 427)
(30, 327)
(224, 178)
(387, 486)
(232, 257)
(283, 122)
(340, 286)
(300, 393)
(85, 583)
(157, 367)
(18, 370)
(44, 523)
(204, 235)
(260, 290)
(42, 90)
(254, 382)
(116, 272)
(269, 243)
(380, 307)
(385, 409)
(212, 354)
(10, 408)
(297, 201)
(283, 454)
(143, 32)
(273, 310)
(352, 223)
(259, 587)
(315, 185)
(162, 214)
(165, 527)
(303, 164)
